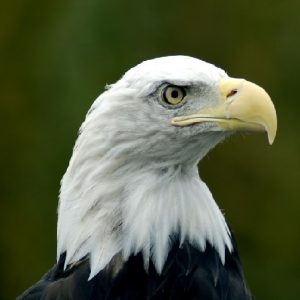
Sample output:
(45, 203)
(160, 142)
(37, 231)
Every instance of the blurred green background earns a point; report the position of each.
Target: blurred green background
(57, 56)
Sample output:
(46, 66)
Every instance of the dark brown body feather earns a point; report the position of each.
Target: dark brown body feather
(188, 274)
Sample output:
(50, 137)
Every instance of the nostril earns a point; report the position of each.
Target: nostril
(231, 93)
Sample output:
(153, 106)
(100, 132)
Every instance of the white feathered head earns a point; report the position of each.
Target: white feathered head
(132, 181)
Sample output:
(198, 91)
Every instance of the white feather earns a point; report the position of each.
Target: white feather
(132, 181)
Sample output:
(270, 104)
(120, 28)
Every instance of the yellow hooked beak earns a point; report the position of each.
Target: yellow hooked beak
(243, 106)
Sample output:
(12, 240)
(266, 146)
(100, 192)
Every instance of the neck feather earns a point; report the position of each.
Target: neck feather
(137, 210)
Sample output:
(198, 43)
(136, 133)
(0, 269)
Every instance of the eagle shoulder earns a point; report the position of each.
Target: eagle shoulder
(187, 274)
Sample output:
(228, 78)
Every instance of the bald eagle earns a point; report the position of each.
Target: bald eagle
(135, 220)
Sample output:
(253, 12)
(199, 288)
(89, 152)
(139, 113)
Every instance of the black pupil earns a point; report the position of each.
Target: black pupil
(174, 94)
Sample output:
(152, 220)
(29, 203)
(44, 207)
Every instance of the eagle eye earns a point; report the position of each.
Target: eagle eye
(173, 95)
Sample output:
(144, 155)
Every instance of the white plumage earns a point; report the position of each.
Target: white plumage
(133, 180)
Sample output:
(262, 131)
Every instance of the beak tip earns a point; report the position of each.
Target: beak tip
(272, 128)
(271, 136)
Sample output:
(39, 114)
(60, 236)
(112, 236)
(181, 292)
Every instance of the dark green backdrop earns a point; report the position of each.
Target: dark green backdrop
(56, 57)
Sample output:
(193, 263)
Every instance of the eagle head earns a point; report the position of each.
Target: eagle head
(132, 184)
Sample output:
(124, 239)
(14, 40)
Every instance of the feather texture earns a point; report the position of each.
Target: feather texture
(188, 274)
(132, 180)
